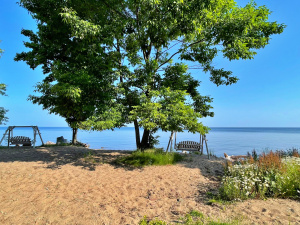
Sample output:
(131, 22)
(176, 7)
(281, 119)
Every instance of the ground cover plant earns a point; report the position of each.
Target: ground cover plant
(273, 174)
(150, 157)
(192, 218)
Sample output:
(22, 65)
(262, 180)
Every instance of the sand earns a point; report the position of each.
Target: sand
(63, 185)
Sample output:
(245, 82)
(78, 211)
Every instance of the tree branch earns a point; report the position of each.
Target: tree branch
(171, 47)
(190, 68)
(190, 45)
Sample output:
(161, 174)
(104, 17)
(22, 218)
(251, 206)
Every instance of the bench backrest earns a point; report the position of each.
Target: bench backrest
(20, 140)
(188, 145)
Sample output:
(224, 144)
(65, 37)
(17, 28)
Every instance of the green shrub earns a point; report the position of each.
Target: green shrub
(288, 183)
(150, 157)
(268, 176)
(151, 222)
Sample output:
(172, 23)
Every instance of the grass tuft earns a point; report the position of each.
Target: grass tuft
(150, 157)
(193, 218)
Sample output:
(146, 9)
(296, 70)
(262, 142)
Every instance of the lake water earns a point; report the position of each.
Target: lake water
(233, 141)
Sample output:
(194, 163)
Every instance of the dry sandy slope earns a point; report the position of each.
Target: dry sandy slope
(58, 186)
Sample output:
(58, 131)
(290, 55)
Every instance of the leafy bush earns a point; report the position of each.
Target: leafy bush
(288, 183)
(150, 157)
(268, 176)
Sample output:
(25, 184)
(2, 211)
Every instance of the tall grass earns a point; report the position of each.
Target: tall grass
(150, 157)
(273, 174)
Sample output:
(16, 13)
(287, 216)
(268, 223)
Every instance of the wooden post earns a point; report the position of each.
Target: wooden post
(40, 135)
(202, 147)
(4, 136)
(34, 136)
(169, 141)
(206, 147)
(200, 144)
(8, 138)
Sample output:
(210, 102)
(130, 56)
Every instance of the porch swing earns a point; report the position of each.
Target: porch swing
(188, 145)
(21, 140)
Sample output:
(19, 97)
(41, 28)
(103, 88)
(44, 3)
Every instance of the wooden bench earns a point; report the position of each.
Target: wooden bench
(20, 140)
(188, 146)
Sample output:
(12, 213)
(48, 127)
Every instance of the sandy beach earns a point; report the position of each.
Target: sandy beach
(64, 185)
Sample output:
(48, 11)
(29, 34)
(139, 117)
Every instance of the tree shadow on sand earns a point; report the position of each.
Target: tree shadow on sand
(56, 157)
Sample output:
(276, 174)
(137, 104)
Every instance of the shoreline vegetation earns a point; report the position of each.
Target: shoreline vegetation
(68, 185)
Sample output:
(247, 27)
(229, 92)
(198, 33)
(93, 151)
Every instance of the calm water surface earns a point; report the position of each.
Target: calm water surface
(230, 140)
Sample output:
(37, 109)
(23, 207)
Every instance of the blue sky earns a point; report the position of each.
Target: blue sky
(267, 94)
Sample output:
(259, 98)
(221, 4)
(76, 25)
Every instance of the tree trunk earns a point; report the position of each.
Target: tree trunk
(137, 134)
(145, 140)
(74, 136)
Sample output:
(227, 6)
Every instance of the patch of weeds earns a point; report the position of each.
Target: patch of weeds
(55, 145)
(146, 221)
(150, 157)
(192, 218)
(290, 152)
(253, 155)
(48, 146)
(269, 175)
(89, 157)
(195, 213)
(198, 218)
(211, 153)
(214, 198)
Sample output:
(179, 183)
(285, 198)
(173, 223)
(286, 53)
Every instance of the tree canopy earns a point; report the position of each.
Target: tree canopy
(79, 78)
(146, 48)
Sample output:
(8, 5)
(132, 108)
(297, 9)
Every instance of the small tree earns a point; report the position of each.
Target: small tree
(2, 92)
(3, 118)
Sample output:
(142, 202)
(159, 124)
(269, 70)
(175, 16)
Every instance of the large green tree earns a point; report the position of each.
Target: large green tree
(3, 118)
(148, 45)
(150, 34)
